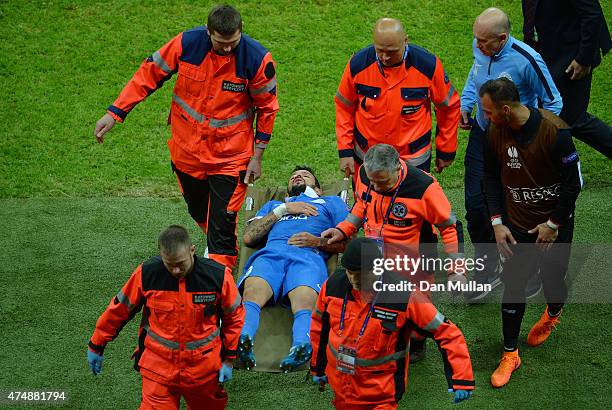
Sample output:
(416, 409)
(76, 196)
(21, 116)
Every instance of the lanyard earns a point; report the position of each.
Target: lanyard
(390, 207)
(380, 66)
(367, 319)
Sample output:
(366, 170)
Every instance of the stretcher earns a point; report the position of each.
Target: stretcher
(273, 338)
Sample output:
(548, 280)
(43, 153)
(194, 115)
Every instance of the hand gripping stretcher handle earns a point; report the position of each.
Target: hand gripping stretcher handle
(344, 192)
(248, 201)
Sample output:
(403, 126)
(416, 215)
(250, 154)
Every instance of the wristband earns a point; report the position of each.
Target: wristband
(280, 211)
(552, 225)
(496, 221)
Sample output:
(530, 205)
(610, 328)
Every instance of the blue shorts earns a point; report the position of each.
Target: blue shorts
(284, 268)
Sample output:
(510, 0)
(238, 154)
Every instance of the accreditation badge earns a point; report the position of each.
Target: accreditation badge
(375, 234)
(346, 359)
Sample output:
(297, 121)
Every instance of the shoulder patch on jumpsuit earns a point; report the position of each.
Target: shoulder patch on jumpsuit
(415, 183)
(422, 60)
(362, 60)
(249, 55)
(155, 276)
(195, 44)
(207, 276)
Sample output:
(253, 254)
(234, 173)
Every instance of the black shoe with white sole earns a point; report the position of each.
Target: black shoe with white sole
(534, 286)
(492, 278)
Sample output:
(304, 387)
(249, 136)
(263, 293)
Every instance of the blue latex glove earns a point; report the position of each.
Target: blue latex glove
(94, 360)
(461, 395)
(225, 373)
(319, 379)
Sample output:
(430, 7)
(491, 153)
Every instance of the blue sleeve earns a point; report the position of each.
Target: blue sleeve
(338, 209)
(542, 84)
(469, 95)
(266, 209)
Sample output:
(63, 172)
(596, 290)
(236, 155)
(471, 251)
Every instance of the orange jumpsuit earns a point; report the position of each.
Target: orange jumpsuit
(214, 103)
(416, 198)
(392, 105)
(188, 327)
(413, 205)
(378, 374)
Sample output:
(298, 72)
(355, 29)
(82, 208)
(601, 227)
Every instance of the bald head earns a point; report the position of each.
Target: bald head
(494, 21)
(389, 41)
(390, 27)
(491, 30)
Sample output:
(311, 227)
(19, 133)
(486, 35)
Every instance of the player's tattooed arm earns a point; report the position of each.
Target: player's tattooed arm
(258, 229)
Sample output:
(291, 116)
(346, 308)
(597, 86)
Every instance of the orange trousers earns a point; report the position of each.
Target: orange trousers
(159, 396)
(341, 405)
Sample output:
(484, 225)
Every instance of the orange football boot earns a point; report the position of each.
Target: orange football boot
(509, 362)
(542, 329)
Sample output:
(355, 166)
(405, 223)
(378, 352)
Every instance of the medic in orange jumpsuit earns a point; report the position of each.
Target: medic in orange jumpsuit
(225, 80)
(397, 206)
(192, 315)
(385, 96)
(360, 337)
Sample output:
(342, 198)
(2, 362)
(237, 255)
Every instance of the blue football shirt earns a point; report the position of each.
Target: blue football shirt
(331, 211)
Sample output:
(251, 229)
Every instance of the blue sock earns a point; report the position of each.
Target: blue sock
(251, 320)
(301, 326)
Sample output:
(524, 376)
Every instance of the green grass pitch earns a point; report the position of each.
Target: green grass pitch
(77, 217)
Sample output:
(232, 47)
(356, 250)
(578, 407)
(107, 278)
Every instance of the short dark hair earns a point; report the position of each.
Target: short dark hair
(224, 20)
(173, 238)
(305, 168)
(501, 91)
